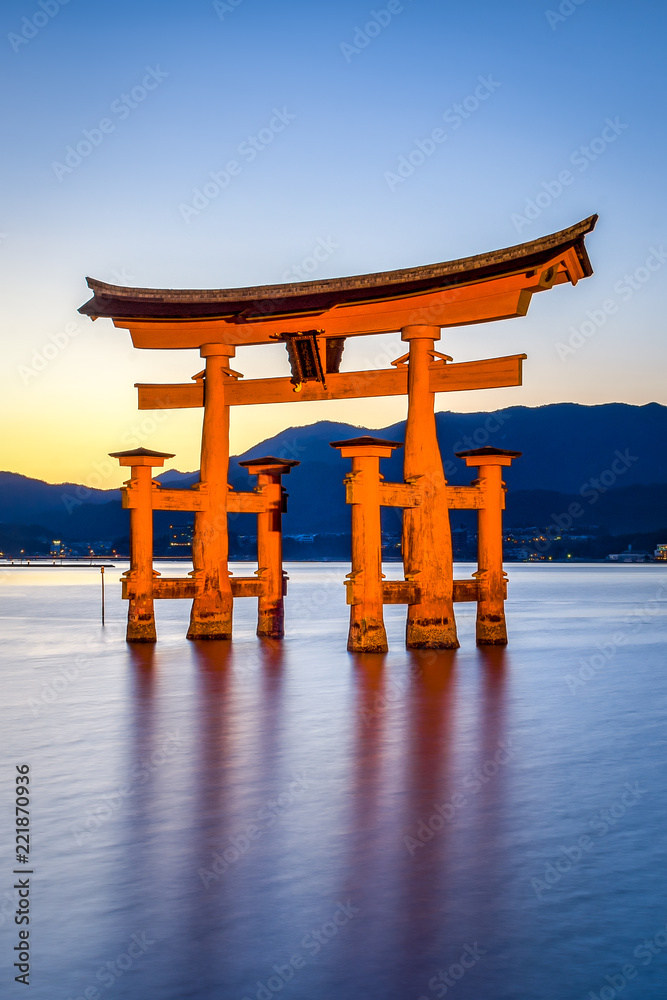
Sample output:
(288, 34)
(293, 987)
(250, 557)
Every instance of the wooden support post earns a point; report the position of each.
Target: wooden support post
(270, 609)
(364, 584)
(491, 627)
(212, 608)
(141, 615)
(427, 545)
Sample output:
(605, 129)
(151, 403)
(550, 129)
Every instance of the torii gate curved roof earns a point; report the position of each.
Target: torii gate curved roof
(486, 287)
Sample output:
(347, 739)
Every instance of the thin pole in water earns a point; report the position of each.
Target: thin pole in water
(102, 574)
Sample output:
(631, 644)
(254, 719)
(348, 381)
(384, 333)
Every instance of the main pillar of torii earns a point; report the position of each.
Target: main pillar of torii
(213, 607)
(427, 541)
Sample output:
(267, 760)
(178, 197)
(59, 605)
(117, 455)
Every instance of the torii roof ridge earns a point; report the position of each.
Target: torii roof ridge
(245, 304)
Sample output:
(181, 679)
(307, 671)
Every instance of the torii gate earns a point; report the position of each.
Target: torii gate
(313, 318)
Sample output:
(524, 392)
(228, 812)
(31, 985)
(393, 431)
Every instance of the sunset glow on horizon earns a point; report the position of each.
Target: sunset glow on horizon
(147, 149)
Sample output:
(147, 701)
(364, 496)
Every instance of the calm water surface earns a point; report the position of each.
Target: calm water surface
(247, 819)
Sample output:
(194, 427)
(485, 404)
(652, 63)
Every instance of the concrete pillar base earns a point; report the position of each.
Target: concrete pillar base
(208, 630)
(210, 625)
(367, 636)
(141, 629)
(431, 633)
(271, 623)
(491, 630)
(141, 621)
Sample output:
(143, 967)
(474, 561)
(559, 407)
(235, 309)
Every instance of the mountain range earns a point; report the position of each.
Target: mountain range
(610, 460)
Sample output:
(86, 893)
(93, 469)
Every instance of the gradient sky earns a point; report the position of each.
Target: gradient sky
(218, 72)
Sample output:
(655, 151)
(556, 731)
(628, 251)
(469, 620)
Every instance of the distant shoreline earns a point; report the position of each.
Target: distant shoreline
(34, 562)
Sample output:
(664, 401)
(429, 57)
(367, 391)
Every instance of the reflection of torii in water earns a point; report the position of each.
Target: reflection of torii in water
(314, 318)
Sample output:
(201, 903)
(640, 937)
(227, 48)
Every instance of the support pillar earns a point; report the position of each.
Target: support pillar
(138, 495)
(491, 628)
(427, 544)
(212, 608)
(364, 584)
(270, 609)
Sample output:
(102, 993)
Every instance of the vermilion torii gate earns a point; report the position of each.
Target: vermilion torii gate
(314, 318)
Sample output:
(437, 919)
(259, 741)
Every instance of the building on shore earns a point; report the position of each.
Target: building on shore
(180, 536)
(630, 556)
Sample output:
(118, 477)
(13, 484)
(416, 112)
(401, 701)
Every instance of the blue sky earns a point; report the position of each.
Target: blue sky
(331, 95)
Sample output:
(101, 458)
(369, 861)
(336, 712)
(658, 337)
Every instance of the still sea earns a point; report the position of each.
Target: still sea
(221, 821)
